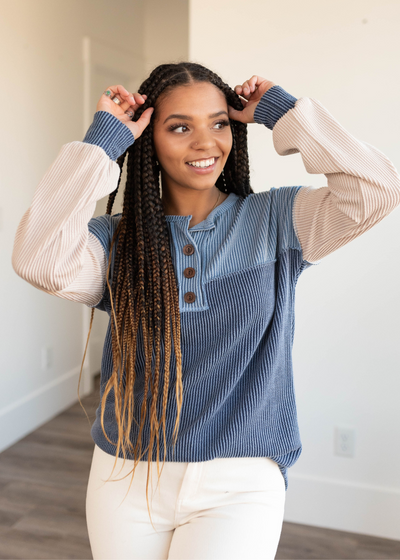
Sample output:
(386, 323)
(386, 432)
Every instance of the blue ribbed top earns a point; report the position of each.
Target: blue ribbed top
(237, 334)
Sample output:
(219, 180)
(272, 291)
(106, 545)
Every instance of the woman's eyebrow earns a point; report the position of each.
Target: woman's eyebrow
(176, 116)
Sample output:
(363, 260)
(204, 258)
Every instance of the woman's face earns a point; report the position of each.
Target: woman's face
(192, 125)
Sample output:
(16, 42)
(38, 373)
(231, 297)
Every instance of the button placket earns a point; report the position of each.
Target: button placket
(188, 249)
(189, 272)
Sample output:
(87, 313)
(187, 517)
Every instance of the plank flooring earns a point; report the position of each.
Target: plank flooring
(43, 480)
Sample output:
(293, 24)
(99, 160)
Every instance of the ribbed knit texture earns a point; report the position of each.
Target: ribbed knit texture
(272, 106)
(237, 335)
(109, 133)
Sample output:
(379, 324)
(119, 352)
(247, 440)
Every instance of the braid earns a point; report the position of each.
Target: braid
(144, 289)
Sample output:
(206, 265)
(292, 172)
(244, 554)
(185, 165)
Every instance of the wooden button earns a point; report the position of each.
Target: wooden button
(189, 297)
(189, 272)
(188, 249)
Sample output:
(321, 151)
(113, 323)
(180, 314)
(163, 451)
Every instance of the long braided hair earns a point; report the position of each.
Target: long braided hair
(143, 279)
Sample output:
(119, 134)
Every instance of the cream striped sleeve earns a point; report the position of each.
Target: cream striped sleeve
(363, 185)
(53, 248)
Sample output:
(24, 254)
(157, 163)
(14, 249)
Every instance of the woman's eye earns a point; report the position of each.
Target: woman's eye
(174, 127)
(179, 127)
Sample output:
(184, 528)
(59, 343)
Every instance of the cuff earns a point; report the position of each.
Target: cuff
(275, 103)
(109, 133)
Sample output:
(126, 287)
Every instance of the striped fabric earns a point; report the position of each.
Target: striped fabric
(237, 334)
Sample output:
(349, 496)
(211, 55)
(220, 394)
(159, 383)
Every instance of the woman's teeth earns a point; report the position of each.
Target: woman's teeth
(204, 163)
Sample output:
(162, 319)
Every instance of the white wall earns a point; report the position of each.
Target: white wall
(346, 353)
(165, 32)
(42, 107)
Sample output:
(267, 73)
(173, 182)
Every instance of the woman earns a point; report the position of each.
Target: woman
(212, 267)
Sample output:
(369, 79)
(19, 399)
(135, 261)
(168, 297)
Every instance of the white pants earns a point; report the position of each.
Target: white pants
(227, 508)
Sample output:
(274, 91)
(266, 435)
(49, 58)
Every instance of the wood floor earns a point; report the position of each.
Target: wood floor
(43, 480)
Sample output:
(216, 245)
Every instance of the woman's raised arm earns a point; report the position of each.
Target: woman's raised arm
(363, 186)
(53, 247)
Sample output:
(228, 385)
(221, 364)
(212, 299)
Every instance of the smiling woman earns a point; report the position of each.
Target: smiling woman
(199, 285)
(192, 148)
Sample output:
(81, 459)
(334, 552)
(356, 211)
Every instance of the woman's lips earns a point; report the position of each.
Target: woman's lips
(203, 170)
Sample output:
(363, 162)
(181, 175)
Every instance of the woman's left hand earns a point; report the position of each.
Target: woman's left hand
(252, 90)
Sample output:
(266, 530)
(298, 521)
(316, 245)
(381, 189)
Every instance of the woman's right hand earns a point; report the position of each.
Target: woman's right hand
(128, 101)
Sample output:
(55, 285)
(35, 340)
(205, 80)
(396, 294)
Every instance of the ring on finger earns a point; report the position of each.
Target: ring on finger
(129, 113)
(116, 100)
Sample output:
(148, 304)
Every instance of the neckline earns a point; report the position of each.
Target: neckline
(210, 219)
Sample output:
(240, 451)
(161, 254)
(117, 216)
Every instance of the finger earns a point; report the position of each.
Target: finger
(235, 115)
(253, 83)
(246, 89)
(238, 91)
(137, 100)
(144, 119)
(117, 90)
(256, 81)
(250, 86)
(140, 96)
(120, 92)
(133, 101)
(125, 103)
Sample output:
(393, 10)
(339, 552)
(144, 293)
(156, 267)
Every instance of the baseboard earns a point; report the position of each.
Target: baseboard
(343, 505)
(310, 500)
(25, 415)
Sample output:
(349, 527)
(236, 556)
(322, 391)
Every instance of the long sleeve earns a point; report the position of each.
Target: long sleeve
(53, 247)
(363, 185)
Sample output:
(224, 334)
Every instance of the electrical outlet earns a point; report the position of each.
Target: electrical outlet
(344, 442)
(47, 357)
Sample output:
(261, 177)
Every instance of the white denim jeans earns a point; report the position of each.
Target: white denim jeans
(224, 509)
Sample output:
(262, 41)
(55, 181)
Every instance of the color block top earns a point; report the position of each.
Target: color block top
(237, 333)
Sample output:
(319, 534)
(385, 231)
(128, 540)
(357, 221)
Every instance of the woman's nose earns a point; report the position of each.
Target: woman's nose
(203, 140)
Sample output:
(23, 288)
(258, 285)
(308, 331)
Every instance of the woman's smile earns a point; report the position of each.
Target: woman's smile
(192, 127)
(203, 166)
(192, 140)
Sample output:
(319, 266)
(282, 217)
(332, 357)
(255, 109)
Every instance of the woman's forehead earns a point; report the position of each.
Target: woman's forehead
(195, 97)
